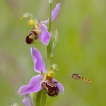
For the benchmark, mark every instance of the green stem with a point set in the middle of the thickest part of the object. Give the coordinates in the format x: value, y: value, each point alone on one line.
x: 44, y: 97
x: 40, y: 98
x: 49, y: 29
x: 50, y: 13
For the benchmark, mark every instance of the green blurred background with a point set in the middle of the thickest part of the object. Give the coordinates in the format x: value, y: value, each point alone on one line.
x: 81, y: 48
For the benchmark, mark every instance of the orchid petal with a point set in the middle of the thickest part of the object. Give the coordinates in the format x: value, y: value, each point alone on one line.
x: 27, y: 101
x: 55, y: 13
x: 60, y: 86
x: 45, y: 35
x: 37, y: 59
x: 33, y: 86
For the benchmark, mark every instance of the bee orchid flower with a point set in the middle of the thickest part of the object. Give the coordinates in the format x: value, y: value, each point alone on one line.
x: 39, y: 27
x: 44, y: 80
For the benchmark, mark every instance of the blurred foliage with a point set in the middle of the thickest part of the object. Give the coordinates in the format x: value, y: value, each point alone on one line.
x: 81, y: 49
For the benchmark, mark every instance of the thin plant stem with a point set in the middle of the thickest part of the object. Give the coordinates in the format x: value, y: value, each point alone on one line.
x: 49, y: 29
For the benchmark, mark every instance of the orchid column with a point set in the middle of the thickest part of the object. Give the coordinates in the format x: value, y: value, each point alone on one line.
x: 44, y: 83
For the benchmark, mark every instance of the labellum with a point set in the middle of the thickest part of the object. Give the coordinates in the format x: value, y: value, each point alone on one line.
x: 50, y: 87
x: 33, y: 35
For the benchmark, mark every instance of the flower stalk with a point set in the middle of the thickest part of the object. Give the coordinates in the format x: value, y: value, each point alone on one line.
x: 49, y: 29
x: 50, y: 13
x: 40, y: 99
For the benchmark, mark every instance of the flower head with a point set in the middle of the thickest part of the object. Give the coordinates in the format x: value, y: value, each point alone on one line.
x: 44, y: 80
x: 39, y: 27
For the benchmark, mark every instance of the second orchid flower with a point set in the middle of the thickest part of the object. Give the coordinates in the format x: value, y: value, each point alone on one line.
x: 39, y: 27
x: 44, y: 80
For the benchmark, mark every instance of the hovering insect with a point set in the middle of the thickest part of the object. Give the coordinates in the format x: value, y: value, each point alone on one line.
x: 78, y: 77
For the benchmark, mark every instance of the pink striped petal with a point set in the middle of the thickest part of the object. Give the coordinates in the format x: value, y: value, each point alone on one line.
x: 33, y: 86
x: 45, y: 35
x: 55, y: 13
x: 38, y: 62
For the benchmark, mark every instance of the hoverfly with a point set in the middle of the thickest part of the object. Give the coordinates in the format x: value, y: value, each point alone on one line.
x: 79, y: 77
